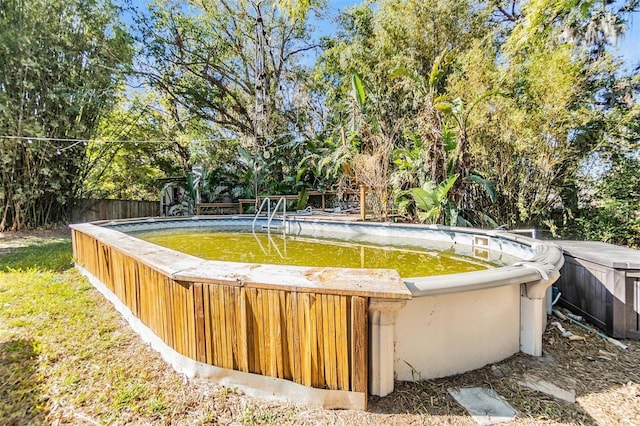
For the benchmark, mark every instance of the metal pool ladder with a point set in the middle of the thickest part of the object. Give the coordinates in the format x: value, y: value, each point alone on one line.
x: 282, y: 201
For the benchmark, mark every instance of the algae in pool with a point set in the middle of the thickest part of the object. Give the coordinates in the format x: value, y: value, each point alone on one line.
x: 277, y: 249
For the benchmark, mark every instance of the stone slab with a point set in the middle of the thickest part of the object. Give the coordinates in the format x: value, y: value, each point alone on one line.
x: 537, y: 384
x: 485, y: 405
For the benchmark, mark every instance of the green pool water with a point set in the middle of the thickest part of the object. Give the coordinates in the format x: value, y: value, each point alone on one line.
x: 276, y: 249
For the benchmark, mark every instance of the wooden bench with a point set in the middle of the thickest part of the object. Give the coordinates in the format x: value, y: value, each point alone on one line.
x: 244, y: 202
x: 217, y: 206
x: 323, y: 196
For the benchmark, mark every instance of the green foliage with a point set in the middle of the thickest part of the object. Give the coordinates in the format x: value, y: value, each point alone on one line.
x: 61, y: 64
x: 541, y: 82
x: 138, y: 143
x: 407, y: 50
x: 235, y: 67
x: 303, y: 199
x: 358, y: 92
x: 613, y: 214
x: 431, y: 198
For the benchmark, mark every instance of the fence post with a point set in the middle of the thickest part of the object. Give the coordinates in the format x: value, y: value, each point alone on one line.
x: 363, y: 203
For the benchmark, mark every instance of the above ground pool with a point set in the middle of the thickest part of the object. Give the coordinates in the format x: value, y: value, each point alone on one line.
x: 321, y: 312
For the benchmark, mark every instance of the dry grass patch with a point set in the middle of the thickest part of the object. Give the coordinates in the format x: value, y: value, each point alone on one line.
x: 67, y: 357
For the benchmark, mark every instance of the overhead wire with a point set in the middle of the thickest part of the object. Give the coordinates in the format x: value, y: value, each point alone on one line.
x: 77, y: 141
x: 49, y: 139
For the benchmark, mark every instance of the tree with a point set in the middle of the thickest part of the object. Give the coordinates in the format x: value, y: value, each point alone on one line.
x: 61, y: 64
x: 235, y: 65
x: 609, y: 208
x: 404, y: 51
x: 548, y: 65
x: 524, y: 97
x: 138, y: 142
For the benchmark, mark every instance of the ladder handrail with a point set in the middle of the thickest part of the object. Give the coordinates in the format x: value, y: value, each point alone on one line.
x: 282, y: 201
x: 265, y: 200
x: 270, y: 217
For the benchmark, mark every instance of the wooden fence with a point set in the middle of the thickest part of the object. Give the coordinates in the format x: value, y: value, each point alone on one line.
x: 89, y: 210
x: 316, y: 337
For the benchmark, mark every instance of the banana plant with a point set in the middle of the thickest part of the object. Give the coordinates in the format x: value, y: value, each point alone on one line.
x: 430, y: 198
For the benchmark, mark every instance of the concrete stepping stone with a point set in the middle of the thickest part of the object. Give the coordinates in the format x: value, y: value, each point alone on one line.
x: 485, y: 405
x: 537, y: 384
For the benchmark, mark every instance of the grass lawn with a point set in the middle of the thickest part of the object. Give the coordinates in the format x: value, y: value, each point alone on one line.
x: 67, y: 357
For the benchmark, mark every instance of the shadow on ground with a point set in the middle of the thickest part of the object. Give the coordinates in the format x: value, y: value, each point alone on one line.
x: 53, y: 254
x: 19, y: 393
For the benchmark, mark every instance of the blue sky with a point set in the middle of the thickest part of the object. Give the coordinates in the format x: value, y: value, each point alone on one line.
x: 628, y: 47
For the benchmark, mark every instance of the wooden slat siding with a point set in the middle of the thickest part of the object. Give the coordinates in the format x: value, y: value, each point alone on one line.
x: 320, y: 380
x: 313, y: 338
x: 191, y: 319
x: 252, y: 361
x: 275, y: 334
x: 226, y: 360
x: 158, y: 297
x: 284, y: 335
x: 229, y: 317
x: 117, y: 266
x: 172, y: 312
x: 252, y: 330
x: 270, y: 341
x: 237, y: 324
x: 74, y: 245
x: 184, y: 330
x: 308, y: 344
x: 325, y: 335
x: 151, y: 298
x: 291, y: 335
x: 296, y: 349
x: 129, y: 281
x: 136, y: 288
x: 208, y: 324
x: 242, y: 323
x: 333, y: 327
x: 301, y: 348
x: 262, y: 342
x: 215, y: 325
x: 103, y: 266
x: 330, y: 344
x: 198, y: 306
x: 107, y: 270
x: 342, y: 343
x: 317, y: 340
x: 277, y: 327
x: 216, y: 315
x: 617, y: 300
x: 229, y: 326
x: 266, y: 353
x: 359, y: 344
